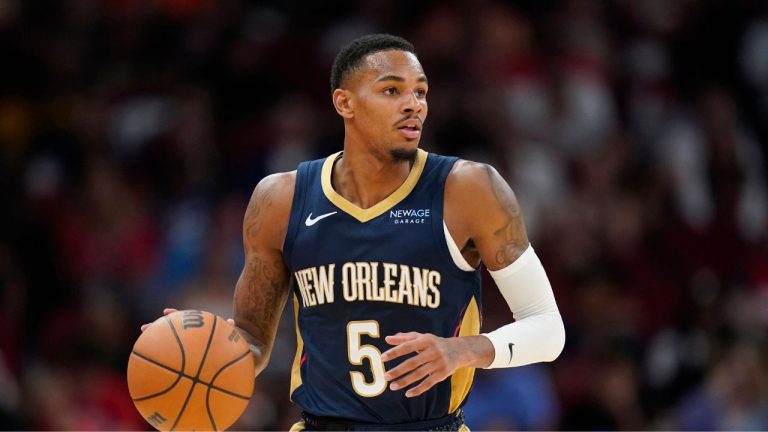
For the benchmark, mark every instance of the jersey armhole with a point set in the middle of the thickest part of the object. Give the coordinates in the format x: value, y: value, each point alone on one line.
x: 297, y: 209
x: 458, y: 258
x: 442, y: 237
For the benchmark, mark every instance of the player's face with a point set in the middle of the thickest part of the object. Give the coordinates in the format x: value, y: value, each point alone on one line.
x: 390, y: 102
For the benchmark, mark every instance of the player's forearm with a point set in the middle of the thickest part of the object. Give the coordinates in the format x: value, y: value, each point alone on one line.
x: 257, y: 313
x: 260, y: 296
x: 538, y: 333
x: 534, y: 339
x: 259, y: 350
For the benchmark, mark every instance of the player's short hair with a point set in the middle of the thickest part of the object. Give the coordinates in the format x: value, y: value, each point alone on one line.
x: 351, y: 56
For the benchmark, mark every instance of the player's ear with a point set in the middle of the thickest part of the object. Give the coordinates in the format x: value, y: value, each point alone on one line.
x: 342, y: 101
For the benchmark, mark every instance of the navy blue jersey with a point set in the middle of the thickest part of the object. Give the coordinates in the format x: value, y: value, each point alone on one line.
x: 362, y: 274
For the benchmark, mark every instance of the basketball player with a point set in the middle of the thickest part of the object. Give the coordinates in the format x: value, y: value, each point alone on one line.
x: 378, y: 248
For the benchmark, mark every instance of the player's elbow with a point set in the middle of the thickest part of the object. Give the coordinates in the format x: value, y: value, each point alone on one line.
x: 556, y: 339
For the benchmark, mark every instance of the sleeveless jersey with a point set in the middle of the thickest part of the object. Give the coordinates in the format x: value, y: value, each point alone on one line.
x: 359, y: 275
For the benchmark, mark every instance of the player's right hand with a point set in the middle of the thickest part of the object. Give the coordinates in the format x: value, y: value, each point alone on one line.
x: 166, y: 311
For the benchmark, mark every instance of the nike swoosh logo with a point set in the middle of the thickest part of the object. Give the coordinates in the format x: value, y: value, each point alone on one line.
x: 310, y: 221
x: 510, y: 352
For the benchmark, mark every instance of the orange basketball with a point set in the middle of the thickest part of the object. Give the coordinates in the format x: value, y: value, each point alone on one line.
x: 191, y: 370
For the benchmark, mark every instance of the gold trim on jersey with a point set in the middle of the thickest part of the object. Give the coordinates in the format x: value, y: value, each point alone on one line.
x: 299, y: 427
x: 461, y: 380
x: 296, y: 369
x: 364, y: 215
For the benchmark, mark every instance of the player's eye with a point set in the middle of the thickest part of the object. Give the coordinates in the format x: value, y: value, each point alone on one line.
x: 390, y: 91
x: 421, y: 92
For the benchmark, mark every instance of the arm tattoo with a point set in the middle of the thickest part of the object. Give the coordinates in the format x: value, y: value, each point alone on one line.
x: 265, y: 286
x: 514, y: 240
x: 254, y: 215
x: 261, y: 291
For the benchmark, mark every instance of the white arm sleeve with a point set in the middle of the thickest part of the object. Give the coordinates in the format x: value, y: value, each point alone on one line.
x: 538, y: 333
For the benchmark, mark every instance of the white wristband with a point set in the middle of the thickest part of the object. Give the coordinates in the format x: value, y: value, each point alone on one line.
x: 538, y: 333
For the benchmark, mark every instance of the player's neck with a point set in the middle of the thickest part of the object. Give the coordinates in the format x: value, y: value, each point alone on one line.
x: 365, y: 178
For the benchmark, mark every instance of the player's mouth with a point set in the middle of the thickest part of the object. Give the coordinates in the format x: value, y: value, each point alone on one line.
x: 410, y: 129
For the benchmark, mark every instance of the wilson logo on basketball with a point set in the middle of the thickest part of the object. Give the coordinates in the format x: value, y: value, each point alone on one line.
x: 193, y: 319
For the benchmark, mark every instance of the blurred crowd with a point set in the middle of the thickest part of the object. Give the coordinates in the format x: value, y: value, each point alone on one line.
x: 634, y: 133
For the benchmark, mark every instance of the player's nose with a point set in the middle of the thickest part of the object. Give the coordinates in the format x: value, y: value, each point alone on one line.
x: 412, y: 104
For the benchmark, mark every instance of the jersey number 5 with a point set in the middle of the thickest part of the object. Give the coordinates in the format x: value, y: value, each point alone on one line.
x: 357, y: 352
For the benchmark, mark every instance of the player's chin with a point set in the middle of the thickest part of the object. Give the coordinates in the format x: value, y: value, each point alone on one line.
x: 405, y: 153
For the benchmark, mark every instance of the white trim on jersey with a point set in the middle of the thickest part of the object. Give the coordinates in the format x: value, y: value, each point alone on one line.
x: 458, y: 258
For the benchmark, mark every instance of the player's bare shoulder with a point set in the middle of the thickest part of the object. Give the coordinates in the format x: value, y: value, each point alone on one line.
x: 468, y: 177
x: 481, y: 203
x: 266, y: 218
x: 468, y: 188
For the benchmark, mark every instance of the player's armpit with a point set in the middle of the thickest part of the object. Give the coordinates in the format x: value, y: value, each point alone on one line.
x: 262, y: 289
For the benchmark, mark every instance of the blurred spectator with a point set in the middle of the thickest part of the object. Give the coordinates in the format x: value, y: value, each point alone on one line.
x: 529, y: 404
x: 733, y: 395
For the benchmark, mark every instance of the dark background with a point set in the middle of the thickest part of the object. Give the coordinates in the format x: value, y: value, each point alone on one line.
x: 633, y: 132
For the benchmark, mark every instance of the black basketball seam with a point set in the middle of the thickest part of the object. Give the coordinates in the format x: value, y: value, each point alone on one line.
x: 197, y: 377
x: 207, y: 404
x: 155, y: 362
x: 162, y: 392
x: 183, y: 363
x: 183, y: 360
x: 183, y: 375
x: 213, y: 380
x: 229, y: 392
x: 181, y: 345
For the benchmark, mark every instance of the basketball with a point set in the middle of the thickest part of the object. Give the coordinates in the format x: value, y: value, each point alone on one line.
x: 191, y: 370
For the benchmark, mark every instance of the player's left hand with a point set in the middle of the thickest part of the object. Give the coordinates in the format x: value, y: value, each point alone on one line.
x: 436, y: 359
